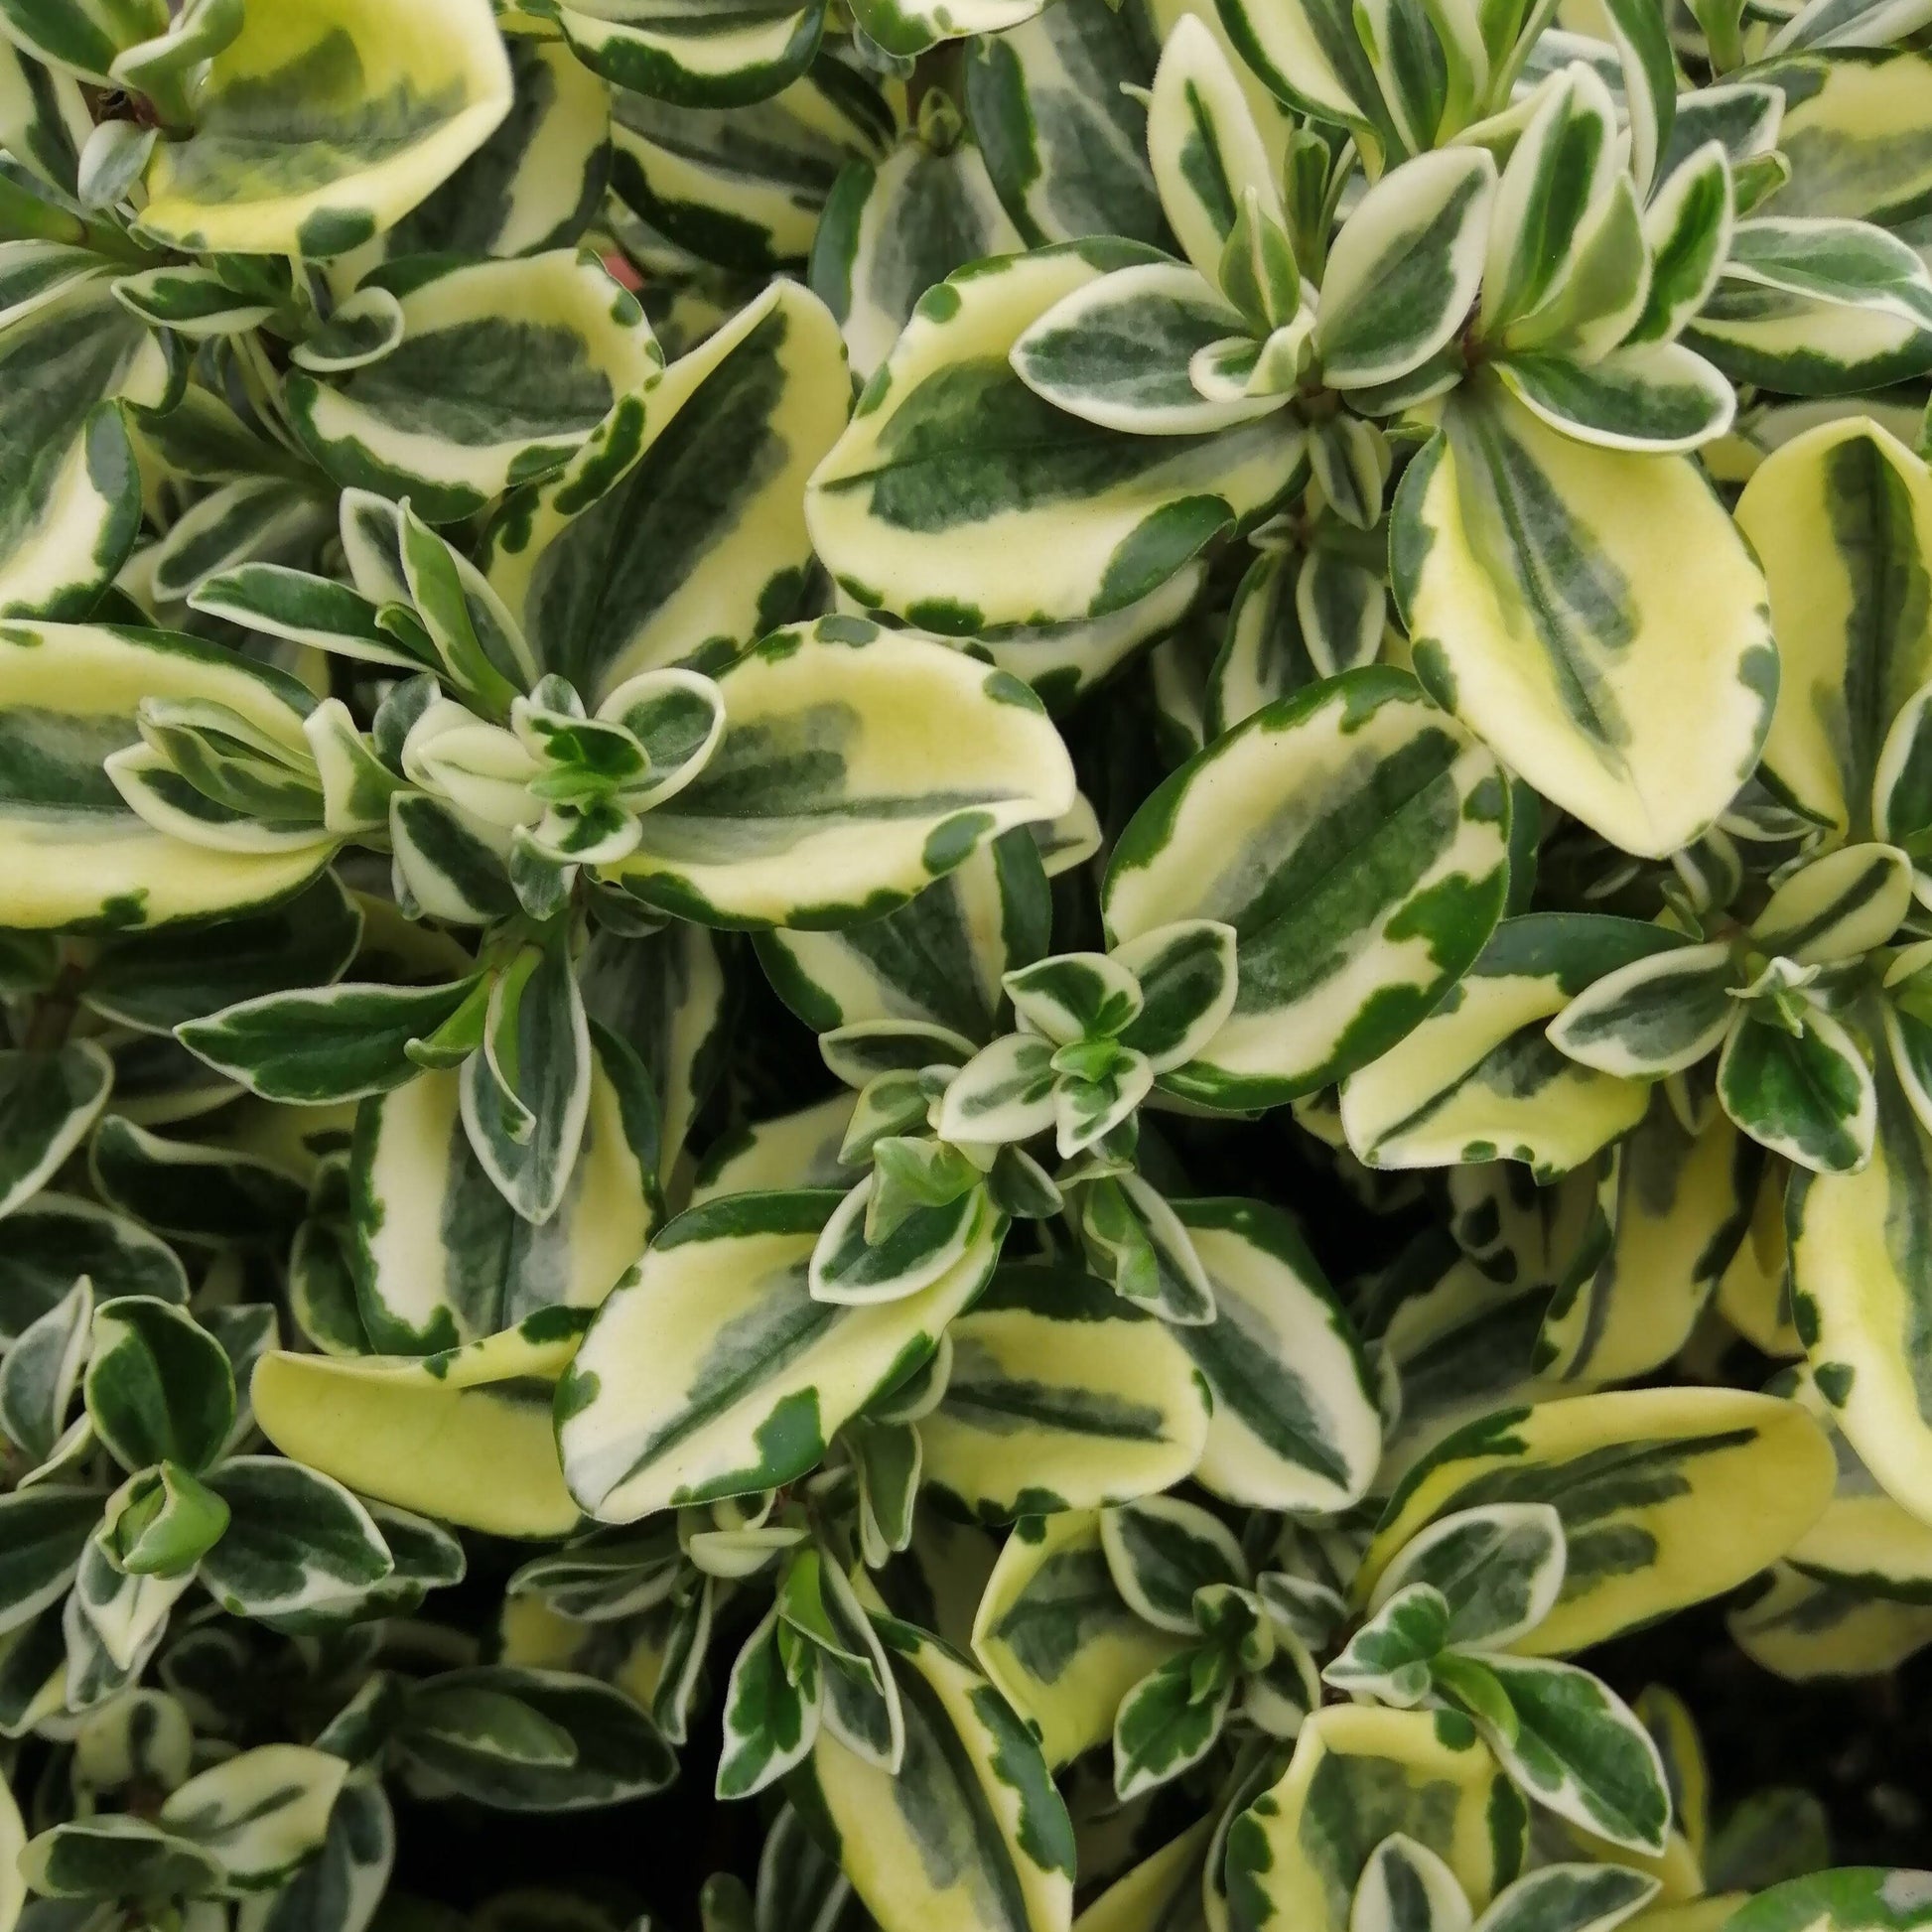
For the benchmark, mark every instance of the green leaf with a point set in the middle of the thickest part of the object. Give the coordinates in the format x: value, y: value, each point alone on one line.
x: 1003, y: 1094
x: 159, y: 1386
x: 908, y: 26
x: 1136, y: 1243
x: 297, y: 1543
x: 69, y: 366
x: 1869, y: 1898
x: 1357, y: 843
x: 1688, y: 228
x: 858, y: 1262
x: 570, y: 1744
x: 1188, y: 976
x: 46, y: 117
x: 312, y: 1045
x: 164, y: 1523
x: 1853, y: 263
x: 113, y: 1619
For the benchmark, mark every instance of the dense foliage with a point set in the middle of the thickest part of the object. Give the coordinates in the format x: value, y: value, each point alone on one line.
x: 1006, y: 920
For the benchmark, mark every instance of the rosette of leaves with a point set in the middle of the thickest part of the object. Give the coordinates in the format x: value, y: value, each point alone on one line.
x: 1442, y: 1620
x: 149, y: 1489
x: 525, y: 793
x: 1096, y: 1032
x: 828, y: 1691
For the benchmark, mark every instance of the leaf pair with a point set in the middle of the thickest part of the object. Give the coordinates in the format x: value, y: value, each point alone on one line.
x: 815, y: 1661
x: 1445, y: 1614
x: 1789, y: 1073
x: 1098, y: 1031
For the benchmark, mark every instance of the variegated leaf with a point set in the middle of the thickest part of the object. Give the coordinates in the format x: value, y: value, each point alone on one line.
x: 1297, y: 1854
x: 678, y: 533
x: 441, y: 1256
x: 712, y: 1370
x: 1065, y: 141
x: 1060, y: 1643
x: 503, y: 371
x: 1295, y: 1425
x: 1651, y: 1486
x: 1478, y: 1080
x: 891, y: 230
x: 744, y: 186
x: 953, y: 470
x: 1354, y: 811
x: 75, y: 854
x: 1839, y: 514
x: 374, y: 118
x: 1061, y: 1395
x: 969, y: 1835
x: 688, y: 55
x: 465, y: 1436
x: 902, y: 757
x: 1555, y: 631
